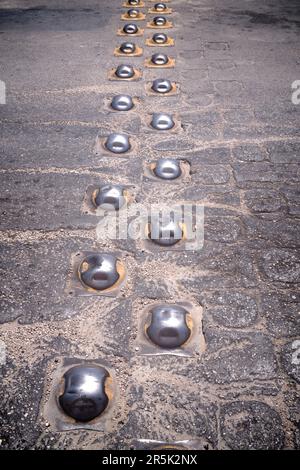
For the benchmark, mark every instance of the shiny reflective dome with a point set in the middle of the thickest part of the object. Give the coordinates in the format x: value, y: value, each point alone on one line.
x: 168, y: 327
x: 84, y: 397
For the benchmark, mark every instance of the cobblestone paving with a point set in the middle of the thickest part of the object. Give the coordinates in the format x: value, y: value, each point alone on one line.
x: 239, y: 130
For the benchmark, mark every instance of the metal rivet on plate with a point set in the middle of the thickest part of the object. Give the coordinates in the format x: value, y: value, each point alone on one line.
x: 160, y: 38
x: 110, y: 197
x: 122, y: 103
x: 162, y: 121
x: 159, y: 59
x: 84, y: 397
x: 133, y: 13
x: 168, y: 327
x: 118, y: 143
x: 127, y: 47
x: 161, y: 85
x: 124, y: 71
x: 165, y: 233
x: 159, y: 21
x: 167, y: 168
x: 130, y: 28
x: 99, y: 271
x: 133, y: 2
x: 160, y: 7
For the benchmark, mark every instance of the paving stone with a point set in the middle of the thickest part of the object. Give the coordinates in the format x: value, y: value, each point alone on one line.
x: 212, y: 195
x: 210, y: 174
x: 293, y: 199
x: 210, y: 156
x: 259, y: 200
x: 201, y: 100
x: 175, y: 144
x: 151, y: 392
x: 281, y: 265
x: 259, y: 131
x: 290, y: 359
x: 227, y: 89
x: 61, y: 145
x: 249, y: 153
x: 114, y: 326
x: 33, y: 201
x: 237, y: 357
x: 205, y: 133
x: 251, y: 425
x: 223, y: 69
x: 219, y: 267
x: 240, y: 115
x: 198, y: 120
x: 56, y: 106
x: 232, y: 309
x: 284, y: 152
x: 221, y: 229
x: 285, y: 113
x: 216, y: 46
x: 20, y: 408
x: 281, y: 312
x: 196, y: 76
x: 34, y: 290
x: 152, y: 289
x: 246, y: 173
x: 280, y: 231
x: 292, y: 400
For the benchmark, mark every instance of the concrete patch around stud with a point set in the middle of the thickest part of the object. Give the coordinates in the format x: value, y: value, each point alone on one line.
x: 139, y: 32
x: 150, y: 42
x: 75, y: 285
x: 149, y: 174
x: 168, y: 24
x: 136, y: 53
x: 192, y: 341
x: 89, y: 205
x: 140, y: 17
x: 136, y: 76
x: 52, y: 409
x: 174, y: 90
x: 169, y: 65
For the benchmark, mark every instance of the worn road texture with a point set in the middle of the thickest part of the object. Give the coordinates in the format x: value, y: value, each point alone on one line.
x: 239, y: 130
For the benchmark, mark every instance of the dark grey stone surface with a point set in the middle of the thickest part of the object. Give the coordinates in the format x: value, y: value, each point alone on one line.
x: 251, y: 425
x: 233, y: 357
x: 281, y: 312
x: 239, y: 130
x: 232, y: 309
